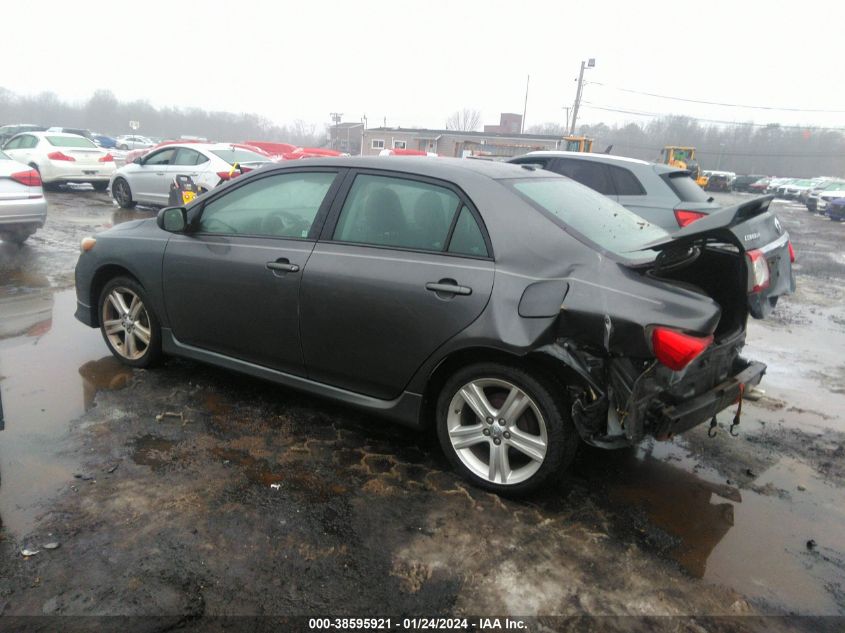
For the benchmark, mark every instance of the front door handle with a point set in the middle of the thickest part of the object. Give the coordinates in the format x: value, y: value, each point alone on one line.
x: 448, y: 286
x: 283, y: 265
x: 159, y: 173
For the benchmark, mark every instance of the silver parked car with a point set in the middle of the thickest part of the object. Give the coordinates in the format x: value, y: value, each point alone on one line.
x: 663, y: 195
x: 131, y: 141
x: 23, y: 208
x: 147, y: 179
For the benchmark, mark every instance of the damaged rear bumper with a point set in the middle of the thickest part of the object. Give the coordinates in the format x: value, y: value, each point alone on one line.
x: 635, y: 399
x: 673, y: 419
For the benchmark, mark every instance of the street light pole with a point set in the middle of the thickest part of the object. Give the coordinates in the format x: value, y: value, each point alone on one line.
x: 590, y: 63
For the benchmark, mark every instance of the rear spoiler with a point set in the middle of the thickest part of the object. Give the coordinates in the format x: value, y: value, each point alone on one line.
x: 715, y: 223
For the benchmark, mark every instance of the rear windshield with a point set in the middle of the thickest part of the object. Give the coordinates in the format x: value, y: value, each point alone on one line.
x: 685, y: 187
x: 594, y: 216
x: 70, y: 141
x: 236, y: 155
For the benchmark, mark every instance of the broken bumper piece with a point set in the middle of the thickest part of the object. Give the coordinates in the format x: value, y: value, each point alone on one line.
x: 677, y: 418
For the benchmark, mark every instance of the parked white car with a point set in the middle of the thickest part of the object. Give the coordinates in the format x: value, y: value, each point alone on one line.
x: 23, y: 208
x: 62, y: 158
x: 130, y: 141
x: 147, y: 179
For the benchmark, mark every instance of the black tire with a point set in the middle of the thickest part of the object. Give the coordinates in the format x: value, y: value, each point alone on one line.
x: 123, y: 147
x: 146, y: 319
x: 15, y: 237
x: 100, y: 186
x: 122, y: 194
x: 561, y: 437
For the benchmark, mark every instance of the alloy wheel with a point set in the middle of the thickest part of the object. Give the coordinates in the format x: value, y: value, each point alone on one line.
x: 121, y: 193
x: 126, y: 323
x: 497, y: 431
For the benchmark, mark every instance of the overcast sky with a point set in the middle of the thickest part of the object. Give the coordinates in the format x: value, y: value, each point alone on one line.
x: 415, y: 62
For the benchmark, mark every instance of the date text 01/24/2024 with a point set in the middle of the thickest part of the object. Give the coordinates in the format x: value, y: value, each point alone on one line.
x: 416, y: 624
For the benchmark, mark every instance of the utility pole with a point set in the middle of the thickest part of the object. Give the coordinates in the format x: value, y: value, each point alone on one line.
x: 567, y: 109
x: 336, y: 116
x: 591, y: 63
x: 363, y: 132
x: 525, y: 107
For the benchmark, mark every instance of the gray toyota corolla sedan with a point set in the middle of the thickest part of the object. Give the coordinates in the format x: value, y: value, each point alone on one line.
x: 514, y: 311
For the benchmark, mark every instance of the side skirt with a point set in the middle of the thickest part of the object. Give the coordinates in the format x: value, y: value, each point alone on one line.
x: 404, y: 410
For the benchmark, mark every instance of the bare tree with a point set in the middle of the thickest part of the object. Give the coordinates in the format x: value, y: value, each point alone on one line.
x: 550, y: 128
x: 465, y: 120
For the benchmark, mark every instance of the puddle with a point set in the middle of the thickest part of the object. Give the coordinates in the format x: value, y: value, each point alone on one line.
x: 41, y: 389
x: 753, y: 539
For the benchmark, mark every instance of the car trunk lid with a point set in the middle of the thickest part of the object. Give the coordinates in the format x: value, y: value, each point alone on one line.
x: 758, y: 234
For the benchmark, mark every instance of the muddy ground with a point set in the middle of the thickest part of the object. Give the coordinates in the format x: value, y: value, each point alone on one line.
x: 257, y: 500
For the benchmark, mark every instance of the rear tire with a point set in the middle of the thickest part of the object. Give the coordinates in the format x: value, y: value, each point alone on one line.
x: 122, y: 194
x: 530, y: 441
x: 128, y: 324
x: 15, y: 237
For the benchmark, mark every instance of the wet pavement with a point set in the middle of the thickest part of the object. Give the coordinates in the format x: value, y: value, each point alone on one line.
x: 320, y: 509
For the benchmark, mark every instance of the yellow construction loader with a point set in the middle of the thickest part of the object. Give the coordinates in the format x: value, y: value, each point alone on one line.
x: 578, y: 144
x: 683, y: 158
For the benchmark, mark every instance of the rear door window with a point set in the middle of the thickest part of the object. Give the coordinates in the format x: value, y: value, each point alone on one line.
x: 385, y: 211
x: 625, y: 182
x: 589, y: 173
x: 684, y: 186
x: 467, y: 238
x: 186, y: 156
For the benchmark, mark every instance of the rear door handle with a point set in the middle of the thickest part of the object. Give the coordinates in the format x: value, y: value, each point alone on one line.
x: 448, y: 286
x: 159, y: 173
x: 283, y: 265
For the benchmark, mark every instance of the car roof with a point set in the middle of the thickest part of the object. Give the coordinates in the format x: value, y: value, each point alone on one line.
x: 610, y: 158
x: 435, y: 167
x: 45, y: 134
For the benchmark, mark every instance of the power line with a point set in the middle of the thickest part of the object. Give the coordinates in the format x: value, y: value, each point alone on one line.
x: 595, y: 106
x: 718, y: 103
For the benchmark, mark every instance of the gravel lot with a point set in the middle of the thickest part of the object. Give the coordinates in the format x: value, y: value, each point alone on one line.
x: 257, y: 500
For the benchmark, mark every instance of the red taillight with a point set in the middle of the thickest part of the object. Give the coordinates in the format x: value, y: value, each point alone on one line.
x: 687, y: 217
x: 758, y: 271
x: 677, y: 350
x: 791, y: 253
x: 29, y: 178
x: 108, y: 158
x: 60, y: 156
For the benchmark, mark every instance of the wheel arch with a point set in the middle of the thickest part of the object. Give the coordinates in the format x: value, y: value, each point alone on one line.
x: 556, y: 374
x: 103, y: 275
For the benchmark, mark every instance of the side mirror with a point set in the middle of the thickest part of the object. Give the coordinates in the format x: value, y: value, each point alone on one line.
x: 139, y: 160
x: 173, y: 219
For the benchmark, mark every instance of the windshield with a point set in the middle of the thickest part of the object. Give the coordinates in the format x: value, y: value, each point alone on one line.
x: 4, y: 156
x: 594, y: 216
x: 70, y: 141
x: 235, y: 155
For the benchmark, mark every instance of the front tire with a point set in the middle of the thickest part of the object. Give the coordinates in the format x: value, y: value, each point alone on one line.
x: 504, y: 429
x: 128, y: 324
x: 122, y: 194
